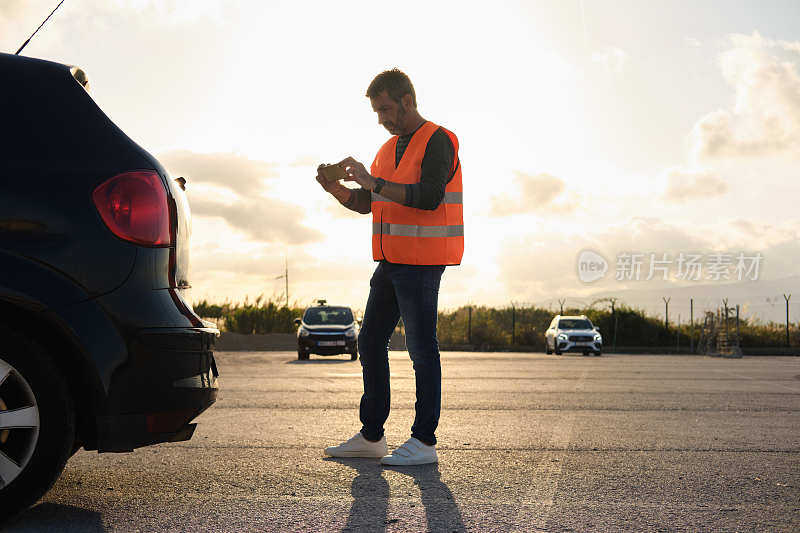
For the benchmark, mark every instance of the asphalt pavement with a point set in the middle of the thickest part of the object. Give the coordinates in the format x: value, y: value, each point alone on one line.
x: 527, y: 442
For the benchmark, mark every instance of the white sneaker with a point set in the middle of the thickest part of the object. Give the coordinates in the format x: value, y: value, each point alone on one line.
x: 411, y: 452
x: 358, y: 446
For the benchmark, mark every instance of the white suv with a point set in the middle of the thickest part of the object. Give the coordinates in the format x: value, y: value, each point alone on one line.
x: 573, y: 334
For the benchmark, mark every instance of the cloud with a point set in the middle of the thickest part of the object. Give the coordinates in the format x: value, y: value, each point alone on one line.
x: 756, y: 233
x: 533, y: 194
x: 262, y: 219
x: 745, y: 226
x: 11, y: 8
x: 268, y: 261
x: 612, y: 58
x: 683, y: 185
x: 765, y: 119
x: 244, y: 176
x: 265, y: 260
x: 307, y: 160
x: 780, y: 259
x: 337, y: 210
x: 18, y: 19
x: 233, y: 275
x: 245, y: 207
x: 544, y: 265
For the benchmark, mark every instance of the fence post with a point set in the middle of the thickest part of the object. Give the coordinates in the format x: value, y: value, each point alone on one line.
x: 469, y: 325
x: 513, y: 325
x: 727, y: 334
x: 738, y: 341
x: 787, y: 319
x: 691, y: 327
x: 614, y: 312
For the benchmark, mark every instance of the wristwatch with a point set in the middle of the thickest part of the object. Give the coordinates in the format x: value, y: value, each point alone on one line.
x: 379, y: 183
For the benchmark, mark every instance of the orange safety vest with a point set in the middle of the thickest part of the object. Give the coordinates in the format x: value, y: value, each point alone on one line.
x: 411, y: 236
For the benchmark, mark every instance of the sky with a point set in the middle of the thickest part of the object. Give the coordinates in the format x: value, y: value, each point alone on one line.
x: 637, y: 132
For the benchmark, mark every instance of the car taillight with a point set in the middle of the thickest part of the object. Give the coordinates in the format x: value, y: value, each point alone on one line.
x: 135, y: 208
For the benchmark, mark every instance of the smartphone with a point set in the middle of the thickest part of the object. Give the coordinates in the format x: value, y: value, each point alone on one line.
x: 332, y: 172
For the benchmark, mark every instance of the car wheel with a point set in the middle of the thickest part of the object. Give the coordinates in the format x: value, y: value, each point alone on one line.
x: 547, y: 349
x: 585, y: 353
x: 302, y: 356
x: 354, y: 356
x: 37, y: 423
x: 556, y: 350
x: 598, y: 353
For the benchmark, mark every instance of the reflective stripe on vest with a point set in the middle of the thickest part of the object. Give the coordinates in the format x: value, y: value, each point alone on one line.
x: 408, y: 230
x: 450, y: 197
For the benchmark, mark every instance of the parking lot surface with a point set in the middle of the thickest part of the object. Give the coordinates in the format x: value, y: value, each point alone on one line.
x: 527, y: 442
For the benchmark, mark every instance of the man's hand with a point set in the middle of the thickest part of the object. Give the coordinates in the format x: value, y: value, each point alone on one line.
x: 356, y: 172
x: 335, y: 188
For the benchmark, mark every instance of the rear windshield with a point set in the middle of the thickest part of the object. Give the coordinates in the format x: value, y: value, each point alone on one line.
x: 574, y: 323
x: 323, y: 316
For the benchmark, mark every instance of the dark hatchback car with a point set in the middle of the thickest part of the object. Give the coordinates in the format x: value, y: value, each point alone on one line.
x: 327, y: 330
x: 99, y: 345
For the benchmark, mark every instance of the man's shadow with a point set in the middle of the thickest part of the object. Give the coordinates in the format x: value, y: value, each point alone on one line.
x: 441, y: 509
x: 370, y: 491
x: 56, y: 518
x: 320, y: 362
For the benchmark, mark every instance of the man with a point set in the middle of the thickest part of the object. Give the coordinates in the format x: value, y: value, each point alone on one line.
x: 414, y: 191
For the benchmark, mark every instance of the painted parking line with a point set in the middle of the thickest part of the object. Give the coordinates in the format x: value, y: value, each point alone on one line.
x: 541, y: 495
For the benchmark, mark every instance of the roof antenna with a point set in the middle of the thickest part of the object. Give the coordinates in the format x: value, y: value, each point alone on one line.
x: 39, y: 28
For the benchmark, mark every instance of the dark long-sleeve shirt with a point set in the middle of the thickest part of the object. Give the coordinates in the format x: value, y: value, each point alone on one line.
x: 436, y: 173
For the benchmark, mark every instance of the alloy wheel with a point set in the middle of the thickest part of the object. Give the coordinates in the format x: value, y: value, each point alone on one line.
x: 19, y: 423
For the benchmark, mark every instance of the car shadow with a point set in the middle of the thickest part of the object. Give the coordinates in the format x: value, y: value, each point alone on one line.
x: 56, y: 518
x: 370, y: 491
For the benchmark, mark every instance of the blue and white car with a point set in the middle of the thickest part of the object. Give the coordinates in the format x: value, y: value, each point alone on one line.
x: 573, y: 334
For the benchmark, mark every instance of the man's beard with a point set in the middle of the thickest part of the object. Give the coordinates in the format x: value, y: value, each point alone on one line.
x: 395, y: 127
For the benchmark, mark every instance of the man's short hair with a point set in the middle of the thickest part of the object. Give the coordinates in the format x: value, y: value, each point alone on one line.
x: 395, y: 83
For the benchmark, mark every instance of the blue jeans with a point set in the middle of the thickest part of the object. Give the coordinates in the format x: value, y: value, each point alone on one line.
x: 411, y: 292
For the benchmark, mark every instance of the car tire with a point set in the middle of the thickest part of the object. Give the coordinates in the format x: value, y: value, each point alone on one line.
x: 302, y: 355
x: 556, y: 351
x: 598, y: 353
x: 354, y: 356
x: 31, y: 457
x: 547, y: 349
x: 585, y: 353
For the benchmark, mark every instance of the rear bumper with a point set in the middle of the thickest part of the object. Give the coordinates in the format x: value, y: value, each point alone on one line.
x: 169, y: 379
